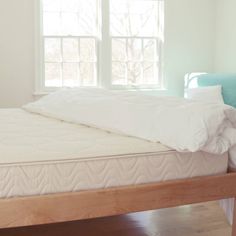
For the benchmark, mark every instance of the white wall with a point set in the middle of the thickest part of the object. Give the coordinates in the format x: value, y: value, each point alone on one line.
x: 188, y: 46
x: 225, y: 57
x: 16, y: 52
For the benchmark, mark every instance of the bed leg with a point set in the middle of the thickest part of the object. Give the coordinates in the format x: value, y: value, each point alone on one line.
x: 234, y: 219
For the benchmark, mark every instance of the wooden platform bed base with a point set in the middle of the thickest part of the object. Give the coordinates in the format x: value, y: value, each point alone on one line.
x: 53, y: 208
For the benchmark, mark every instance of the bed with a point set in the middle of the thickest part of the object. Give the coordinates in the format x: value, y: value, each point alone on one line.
x: 53, y: 171
x: 218, y: 88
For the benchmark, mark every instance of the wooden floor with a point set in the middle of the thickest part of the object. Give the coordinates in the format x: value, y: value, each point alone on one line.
x: 197, y: 220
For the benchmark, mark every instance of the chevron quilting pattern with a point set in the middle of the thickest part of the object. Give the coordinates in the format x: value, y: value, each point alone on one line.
x: 42, y: 156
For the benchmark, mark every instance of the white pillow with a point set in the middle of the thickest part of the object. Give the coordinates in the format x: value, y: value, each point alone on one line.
x: 207, y: 94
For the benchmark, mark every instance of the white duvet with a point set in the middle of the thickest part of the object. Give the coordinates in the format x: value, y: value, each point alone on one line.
x: 175, y: 122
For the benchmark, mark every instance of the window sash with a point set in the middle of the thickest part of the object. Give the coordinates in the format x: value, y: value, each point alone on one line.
x: 156, y: 61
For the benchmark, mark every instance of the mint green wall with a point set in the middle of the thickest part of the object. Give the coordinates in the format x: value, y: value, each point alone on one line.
x: 188, y: 40
x: 225, y: 53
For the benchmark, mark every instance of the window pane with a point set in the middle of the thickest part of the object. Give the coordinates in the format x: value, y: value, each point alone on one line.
x: 52, y: 5
x: 69, y: 24
x: 70, y: 50
x: 70, y: 17
x: 52, y: 50
x: 119, y: 49
x: 52, y: 23
x: 53, y: 75
x: 70, y: 74
x: 134, y: 73
x: 70, y: 5
x: 87, y: 74
x: 149, y: 50
x: 88, y: 13
x: 119, y: 73
x: 134, y: 49
x: 150, y: 73
x: 87, y: 50
x: 134, y: 18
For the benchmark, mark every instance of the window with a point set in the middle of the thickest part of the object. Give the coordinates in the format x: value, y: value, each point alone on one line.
x: 70, y: 35
x: 109, y: 43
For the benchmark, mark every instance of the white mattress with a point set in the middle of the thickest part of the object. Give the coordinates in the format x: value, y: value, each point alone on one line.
x: 39, y: 155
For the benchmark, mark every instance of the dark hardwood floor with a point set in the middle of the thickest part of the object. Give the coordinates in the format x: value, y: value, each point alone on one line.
x: 197, y: 220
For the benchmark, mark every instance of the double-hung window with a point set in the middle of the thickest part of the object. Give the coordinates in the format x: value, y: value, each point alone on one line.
x: 108, y: 43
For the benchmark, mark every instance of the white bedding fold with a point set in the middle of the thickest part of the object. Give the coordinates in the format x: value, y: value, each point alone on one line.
x: 175, y: 122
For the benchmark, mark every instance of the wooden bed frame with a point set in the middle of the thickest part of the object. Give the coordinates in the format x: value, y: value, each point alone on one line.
x: 54, y: 208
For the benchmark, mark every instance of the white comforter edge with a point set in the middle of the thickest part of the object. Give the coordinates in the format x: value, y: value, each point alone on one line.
x: 175, y: 122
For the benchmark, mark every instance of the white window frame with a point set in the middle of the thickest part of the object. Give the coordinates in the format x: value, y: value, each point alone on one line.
x: 104, y: 60
x: 39, y: 81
